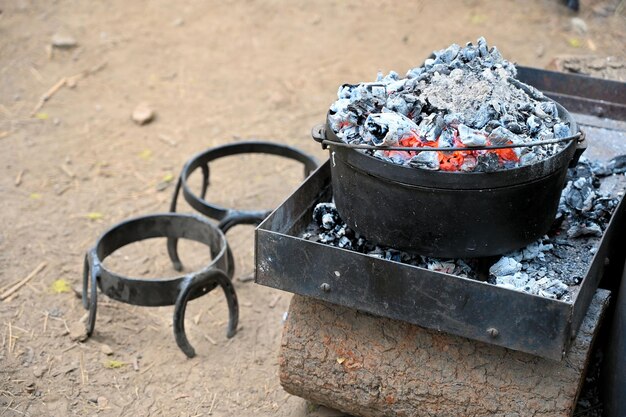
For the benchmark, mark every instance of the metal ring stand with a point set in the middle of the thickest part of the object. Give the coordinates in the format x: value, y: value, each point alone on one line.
x: 226, y: 217
x: 175, y: 291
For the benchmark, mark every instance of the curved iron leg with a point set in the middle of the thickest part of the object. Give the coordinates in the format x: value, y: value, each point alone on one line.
x: 205, y: 180
x: 188, y: 287
x: 231, y: 262
x: 93, y: 299
x: 86, y: 271
x: 90, y: 279
x: 172, y: 243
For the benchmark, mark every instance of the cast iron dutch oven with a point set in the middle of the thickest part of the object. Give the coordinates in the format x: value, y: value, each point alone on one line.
x: 448, y: 214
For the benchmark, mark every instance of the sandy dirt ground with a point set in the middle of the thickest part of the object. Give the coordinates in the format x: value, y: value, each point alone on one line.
x: 214, y: 72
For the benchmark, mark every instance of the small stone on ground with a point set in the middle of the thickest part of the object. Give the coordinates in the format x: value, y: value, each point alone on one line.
x: 143, y: 114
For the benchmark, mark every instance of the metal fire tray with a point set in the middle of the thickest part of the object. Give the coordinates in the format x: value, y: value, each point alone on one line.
x: 436, y: 300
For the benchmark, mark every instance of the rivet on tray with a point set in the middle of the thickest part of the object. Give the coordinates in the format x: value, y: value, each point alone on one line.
x: 493, y: 332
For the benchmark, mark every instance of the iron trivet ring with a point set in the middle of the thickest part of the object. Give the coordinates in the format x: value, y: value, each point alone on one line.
x: 175, y: 291
x: 227, y: 217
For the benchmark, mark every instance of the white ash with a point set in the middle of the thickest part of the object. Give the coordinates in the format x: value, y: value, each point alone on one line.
x: 472, y: 91
x: 551, y: 267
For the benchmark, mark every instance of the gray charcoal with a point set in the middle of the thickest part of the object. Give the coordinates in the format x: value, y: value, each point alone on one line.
x: 561, y: 130
x: 505, y: 266
x: 528, y: 159
x: 502, y: 136
x: 488, y: 162
x: 617, y: 165
x: 514, y: 127
x: 550, y: 109
x: 430, y: 128
x: 482, y: 116
x: 469, y: 163
x: 414, y: 72
x: 515, y: 281
x: 473, y: 86
x: 528, y: 89
x: 525, y: 107
x: 469, y: 53
x: 446, y: 138
x: 579, y: 195
x: 534, y: 124
x: 398, y: 105
x: 449, y: 54
x: 588, y: 229
x: 441, y: 69
x: 425, y: 160
x: 345, y: 243
x: 452, y: 119
x: 493, y: 124
x: 471, y: 137
x: 326, y: 215
x: 388, y: 129
x: 495, y: 54
x: 482, y: 47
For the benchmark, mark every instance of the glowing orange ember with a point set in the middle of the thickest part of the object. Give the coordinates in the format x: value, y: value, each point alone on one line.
x: 451, y: 161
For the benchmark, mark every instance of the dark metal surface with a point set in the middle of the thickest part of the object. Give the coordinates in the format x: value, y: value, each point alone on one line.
x: 579, y: 93
x: 449, y: 214
x: 175, y: 291
x: 227, y: 217
x: 614, y: 372
x: 430, y: 299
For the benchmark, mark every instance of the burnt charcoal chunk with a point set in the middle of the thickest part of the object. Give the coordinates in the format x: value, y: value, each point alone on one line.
x: 425, y: 160
x: 482, y: 47
x: 585, y: 229
x: 550, y: 109
x: 502, y: 136
x: 441, y: 69
x: 449, y: 54
x: 471, y: 137
x: 452, y: 119
x: 431, y: 127
x: 514, y: 127
x: 482, y: 117
x: 377, y: 130
x: 488, y: 162
x: 446, y: 139
x: 579, y: 194
x: 561, y: 130
x: 617, y: 165
x: 493, y: 124
x: 469, y: 53
x: 397, y: 104
x: 326, y: 215
x: 534, y: 124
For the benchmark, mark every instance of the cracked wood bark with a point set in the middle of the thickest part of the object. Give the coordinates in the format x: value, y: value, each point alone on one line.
x: 372, y: 366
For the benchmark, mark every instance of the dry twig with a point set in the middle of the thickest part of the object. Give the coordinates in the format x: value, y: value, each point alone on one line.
x: 23, y: 282
x: 18, y: 179
x: 69, y: 81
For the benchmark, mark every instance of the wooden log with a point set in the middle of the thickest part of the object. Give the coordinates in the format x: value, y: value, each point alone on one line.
x: 372, y: 367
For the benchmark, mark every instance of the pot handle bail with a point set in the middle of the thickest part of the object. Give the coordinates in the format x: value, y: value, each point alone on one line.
x: 318, y: 133
x: 581, y: 146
